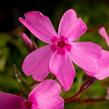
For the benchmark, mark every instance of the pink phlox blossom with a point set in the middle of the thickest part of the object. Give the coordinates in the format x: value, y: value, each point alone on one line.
x: 62, y: 48
x: 44, y: 96
x: 103, y: 64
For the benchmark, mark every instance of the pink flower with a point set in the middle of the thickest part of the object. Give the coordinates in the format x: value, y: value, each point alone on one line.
x: 43, y: 96
x: 62, y: 48
x: 103, y: 64
x: 9, y: 101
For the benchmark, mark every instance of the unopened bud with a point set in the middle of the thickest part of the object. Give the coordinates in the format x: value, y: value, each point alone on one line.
x: 28, y: 42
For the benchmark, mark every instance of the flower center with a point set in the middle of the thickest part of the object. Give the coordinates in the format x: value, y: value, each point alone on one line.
x: 61, y: 44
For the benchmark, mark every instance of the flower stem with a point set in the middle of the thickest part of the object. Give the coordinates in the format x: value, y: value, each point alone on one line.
x: 89, y: 100
x: 83, y: 88
x: 23, y: 84
x: 92, y: 100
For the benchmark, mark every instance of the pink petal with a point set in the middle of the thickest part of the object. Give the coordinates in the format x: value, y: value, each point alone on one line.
x: 46, y: 94
x: 63, y: 69
x: 71, y: 26
x: 9, y: 101
x: 39, y: 25
x: 37, y: 63
x: 79, y: 29
x: 86, y: 55
x: 103, y: 71
x: 103, y: 33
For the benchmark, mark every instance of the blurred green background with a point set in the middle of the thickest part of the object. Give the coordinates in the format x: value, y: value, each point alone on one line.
x: 12, y: 49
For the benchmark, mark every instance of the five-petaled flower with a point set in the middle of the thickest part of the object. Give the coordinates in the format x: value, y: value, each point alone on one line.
x: 44, y: 96
x: 62, y: 48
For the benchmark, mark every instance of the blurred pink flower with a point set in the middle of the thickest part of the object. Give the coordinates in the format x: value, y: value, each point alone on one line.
x: 43, y: 96
x: 103, y: 64
x: 57, y: 57
x: 10, y: 101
